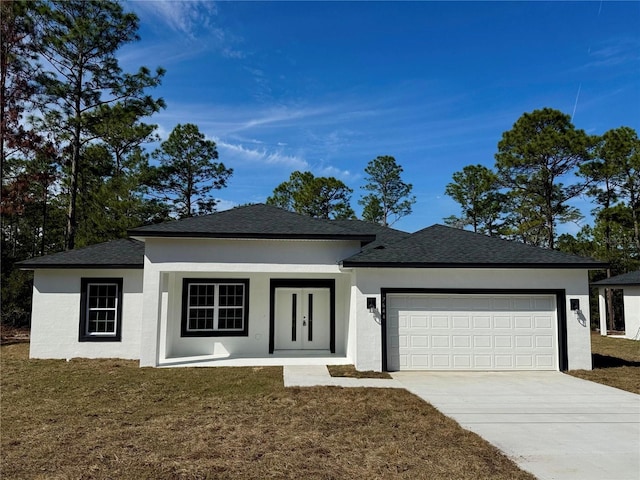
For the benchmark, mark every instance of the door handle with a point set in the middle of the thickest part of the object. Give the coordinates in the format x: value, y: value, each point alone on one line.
x: 304, y: 323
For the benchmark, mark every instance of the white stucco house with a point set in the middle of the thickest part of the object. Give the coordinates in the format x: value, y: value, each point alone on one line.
x: 260, y: 285
x: 629, y: 283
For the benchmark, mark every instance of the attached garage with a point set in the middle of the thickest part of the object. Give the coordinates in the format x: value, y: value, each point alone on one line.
x: 473, y: 331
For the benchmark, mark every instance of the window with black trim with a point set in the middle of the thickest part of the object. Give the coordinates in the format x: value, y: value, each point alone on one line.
x: 100, y: 310
x: 215, y: 307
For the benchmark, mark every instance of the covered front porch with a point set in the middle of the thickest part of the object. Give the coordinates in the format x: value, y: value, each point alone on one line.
x: 257, y: 318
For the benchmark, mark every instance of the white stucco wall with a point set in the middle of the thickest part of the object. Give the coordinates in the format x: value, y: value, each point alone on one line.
x: 367, y: 353
x: 55, y: 319
x: 632, y: 312
x: 247, y: 254
x: 169, y: 261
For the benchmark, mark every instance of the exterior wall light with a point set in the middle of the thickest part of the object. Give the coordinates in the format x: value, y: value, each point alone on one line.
x: 371, y: 304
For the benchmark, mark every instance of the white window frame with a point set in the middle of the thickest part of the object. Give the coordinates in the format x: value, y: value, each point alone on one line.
x: 216, y: 307
x: 85, y: 334
x: 113, y: 309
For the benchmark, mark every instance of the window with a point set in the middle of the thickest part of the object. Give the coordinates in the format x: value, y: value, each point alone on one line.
x: 212, y: 307
x: 101, y: 310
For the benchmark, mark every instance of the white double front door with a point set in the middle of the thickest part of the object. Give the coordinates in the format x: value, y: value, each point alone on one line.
x: 302, y: 318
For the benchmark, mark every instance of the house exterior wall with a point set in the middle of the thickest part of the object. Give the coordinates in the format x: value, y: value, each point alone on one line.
x: 247, y: 255
x: 55, y: 319
x: 169, y: 261
x: 632, y: 312
x: 367, y: 353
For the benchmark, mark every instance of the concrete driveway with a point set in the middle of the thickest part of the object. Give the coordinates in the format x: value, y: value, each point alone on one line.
x: 551, y: 424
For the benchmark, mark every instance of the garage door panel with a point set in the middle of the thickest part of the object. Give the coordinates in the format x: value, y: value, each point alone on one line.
x: 461, y: 341
x: 524, y: 361
x: 482, y: 341
x: 467, y: 332
x: 483, y: 361
x: 481, y: 321
x: 439, y: 321
x: 544, y: 341
x: 523, y: 341
x: 461, y: 321
x: 440, y: 341
x: 545, y: 361
x: 543, y: 322
x: 420, y: 341
x: 502, y: 321
x: 462, y: 362
x: 418, y: 321
x: 440, y: 361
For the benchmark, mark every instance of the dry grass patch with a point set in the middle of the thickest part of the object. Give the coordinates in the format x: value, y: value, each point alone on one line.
x: 110, y: 419
x: 351, y: 372
x: 616, y: 362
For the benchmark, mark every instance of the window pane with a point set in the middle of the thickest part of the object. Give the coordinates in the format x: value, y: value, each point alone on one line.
x: 202, y: 295
x: 200, y: 319
x: 231, y: 295
x: 230, y: 319
x: 101, y: 321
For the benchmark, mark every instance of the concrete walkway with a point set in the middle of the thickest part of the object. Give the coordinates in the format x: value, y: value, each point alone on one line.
x: 551, y: 424
x: 318, y: 375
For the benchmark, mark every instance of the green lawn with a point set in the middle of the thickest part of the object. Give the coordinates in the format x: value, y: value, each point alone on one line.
x: 616, y: 362
x: 110, y: 419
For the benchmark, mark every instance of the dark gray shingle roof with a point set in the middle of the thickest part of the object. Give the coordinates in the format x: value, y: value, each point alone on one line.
x: 450, y: 247
x: 384, y: 235
x: 252, y: 221
x: 123, y: 253
x: 436, y: 246
x: 631, y: 278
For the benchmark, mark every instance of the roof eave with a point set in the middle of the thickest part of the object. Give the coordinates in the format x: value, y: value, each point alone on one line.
x: 251, y: 236
x: 68, y: 266
x: 563, y: 266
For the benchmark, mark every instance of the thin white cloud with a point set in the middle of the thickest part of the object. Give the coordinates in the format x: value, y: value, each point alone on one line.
x: 263, y: 156
x: 614, y: 53
x: 185, y: 17
x: 281, y: 116
x: 193, y: 21
x: 331, y: 171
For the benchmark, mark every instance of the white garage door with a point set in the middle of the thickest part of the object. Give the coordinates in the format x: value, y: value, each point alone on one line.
x: 471, y: 332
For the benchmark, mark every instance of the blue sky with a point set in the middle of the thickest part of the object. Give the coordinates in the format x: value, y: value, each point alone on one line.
x: 328, y: 86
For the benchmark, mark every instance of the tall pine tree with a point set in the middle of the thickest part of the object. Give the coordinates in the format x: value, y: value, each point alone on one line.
x: 79, y: 42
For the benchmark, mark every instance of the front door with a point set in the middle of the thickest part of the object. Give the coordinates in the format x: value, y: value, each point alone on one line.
x: 302, y: 318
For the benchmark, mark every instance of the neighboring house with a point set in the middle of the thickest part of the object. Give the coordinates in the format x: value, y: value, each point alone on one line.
x: 260, y: 285
x: 629, y: 283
